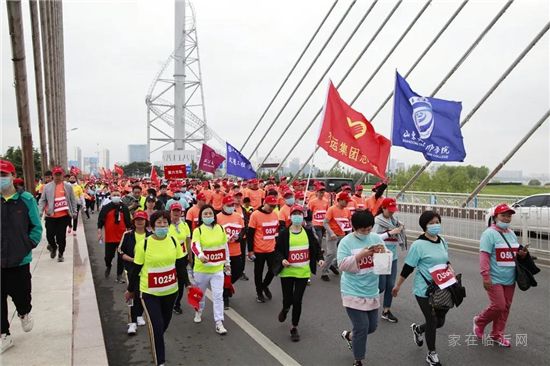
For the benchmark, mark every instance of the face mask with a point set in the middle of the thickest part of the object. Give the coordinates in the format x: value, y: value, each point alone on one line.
x: 503, y: 225
x: 5, y: 182
x: 433, y: 229
x: 208, y: 220
x: 361, y: 236
x: 289, y: 201
x: 229, y: 210
x: 297, y: 219
x: 184, y: 189
x: 161, y: 232
x: 300, y: 202
x: 115, y: 199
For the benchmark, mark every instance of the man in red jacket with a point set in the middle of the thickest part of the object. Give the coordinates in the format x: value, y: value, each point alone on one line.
x: 115, y: 218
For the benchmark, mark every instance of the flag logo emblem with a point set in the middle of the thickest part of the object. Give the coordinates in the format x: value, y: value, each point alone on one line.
x: 358, y: 128
x: 423, y: 116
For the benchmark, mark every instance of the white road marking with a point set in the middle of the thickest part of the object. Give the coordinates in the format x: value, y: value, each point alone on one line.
x: 266, y: 343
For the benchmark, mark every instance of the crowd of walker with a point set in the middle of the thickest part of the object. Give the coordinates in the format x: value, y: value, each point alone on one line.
x: 170, y: 235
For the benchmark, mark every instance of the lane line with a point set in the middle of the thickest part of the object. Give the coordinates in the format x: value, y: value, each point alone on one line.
x: 260, y: 338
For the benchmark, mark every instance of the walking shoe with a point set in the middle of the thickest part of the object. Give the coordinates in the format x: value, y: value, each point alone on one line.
x: 346, y: 337
x: 477, y: 330
x: 226, y: 303
x: 325, y: 278
x: 387, y: 315
x: 60, y: 258
x: 107, y: 271
x: 309, y: 281
x: 357, y: 363
x: 220, y: 329
x: 334, y: 270
x: 26, y: 322
x: 177, y: 310
x: 268, y: 293
x: 198, y: 317
x: 120, y: 279
x: 7, y: 342
x: 132, y: 329
x: 433, y: 359
x: 260, y: 298
x: 244, y: 277
x: 53, y: 252
x: 501, y: 341
x: 294, y: 335
x: 282, y: 315
x: 417, y: 336
x: 140, y: 321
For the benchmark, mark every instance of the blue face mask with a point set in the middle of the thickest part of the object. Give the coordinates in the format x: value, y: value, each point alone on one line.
x: 5, y: 182
x: 433, y: 229
x: 161, y: 232
x: 208, y: 220
x: 229, y: 210
x: 503, y: 225
x: 115, y: 199
x: 289, y: 201
x: 296, y: 219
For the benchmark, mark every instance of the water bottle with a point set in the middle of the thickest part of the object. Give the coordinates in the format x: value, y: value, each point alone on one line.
x: 100, y: 241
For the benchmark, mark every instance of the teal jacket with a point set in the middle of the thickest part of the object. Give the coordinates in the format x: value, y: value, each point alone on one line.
x: 21, y: 229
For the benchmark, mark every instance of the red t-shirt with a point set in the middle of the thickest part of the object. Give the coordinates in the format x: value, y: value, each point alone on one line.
x: 114, y: 231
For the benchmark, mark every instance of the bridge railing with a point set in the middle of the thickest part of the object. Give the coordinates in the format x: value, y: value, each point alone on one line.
x: 453, y: 199
x: 465, y: 225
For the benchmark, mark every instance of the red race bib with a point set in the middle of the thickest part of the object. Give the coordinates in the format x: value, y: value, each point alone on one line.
x: 216, y: 255
x: 297, y: 256
x: 269, y: 230
x: 319, y: 215
x: 505, y: 256
x: 442, y: 276
x: 160, y: 279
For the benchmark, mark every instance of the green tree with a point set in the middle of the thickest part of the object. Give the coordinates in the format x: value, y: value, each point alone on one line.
x: 534, y: 182
x: 138, y: 169
x: 15, y: 155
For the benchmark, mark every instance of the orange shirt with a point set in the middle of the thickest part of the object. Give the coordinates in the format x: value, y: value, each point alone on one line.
x: 209, y: 195
x: 374, y: 204
x: 266, y: 230
x: 193, y: 216
x: 60, y: 205
x: 239, y: 210
x: 256, y: 197
x: 351, y: 207
x: 233, y: 225
x: 284, y: 214
x: 339, y: 220
x: 217, y: 199
x: 360, y: 203
x: 318, y: 208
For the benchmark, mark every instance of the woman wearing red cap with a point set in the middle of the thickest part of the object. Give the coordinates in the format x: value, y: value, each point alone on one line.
x: 390, y: 230
x: 375, y: 200
x: 300, y: 252
x: 337, y: 225
x: 498, y: 247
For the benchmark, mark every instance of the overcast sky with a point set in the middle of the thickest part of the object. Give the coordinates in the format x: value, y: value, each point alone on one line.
x: 113, y: 49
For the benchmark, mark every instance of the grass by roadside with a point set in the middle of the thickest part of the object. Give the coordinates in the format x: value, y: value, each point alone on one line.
x: 514, y: 190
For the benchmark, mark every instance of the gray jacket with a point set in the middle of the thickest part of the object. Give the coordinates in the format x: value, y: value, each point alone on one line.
x: 48, y: 197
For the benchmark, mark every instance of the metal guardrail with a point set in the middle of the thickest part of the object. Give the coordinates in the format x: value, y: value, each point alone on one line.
x: 454, y: 199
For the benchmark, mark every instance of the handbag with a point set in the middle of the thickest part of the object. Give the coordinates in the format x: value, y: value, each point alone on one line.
x: 524, y: 277
x: 458, y: 292
x: 437, y: 298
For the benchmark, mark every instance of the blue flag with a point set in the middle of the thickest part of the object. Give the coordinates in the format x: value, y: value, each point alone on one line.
x: 238, y: 165
x: 428, y: 125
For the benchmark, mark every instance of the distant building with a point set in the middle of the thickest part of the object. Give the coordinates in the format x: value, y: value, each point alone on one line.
x: 509, y: 176
x: 137, y: 153
x: 104, y: 159
x: 90, y: 165
x: 77, y: 157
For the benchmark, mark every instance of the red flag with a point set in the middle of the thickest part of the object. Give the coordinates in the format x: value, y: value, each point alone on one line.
x: 74, y: 170
x: 210, y: 159
x: 102, y: 172
x: 118, y: 170
x: 347, y: 136
x: 108, y: 173
x: 154, y: 176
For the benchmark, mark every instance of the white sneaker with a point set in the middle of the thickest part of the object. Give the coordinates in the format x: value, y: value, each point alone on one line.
x: 220, y: 329
x: 7, y: 342
x: 198, y: 317
x: 26, y: 322
x: 132, y: 329
x: 140, y: 321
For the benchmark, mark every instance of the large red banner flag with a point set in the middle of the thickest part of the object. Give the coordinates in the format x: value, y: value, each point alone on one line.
x: 210, y: 159
x: 346, y: 135
x: 154, y: 176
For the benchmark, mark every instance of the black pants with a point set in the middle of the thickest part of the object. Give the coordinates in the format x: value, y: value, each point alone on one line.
x: 56, y: 232
x: 293, y: 292
x: 243, y: 253
x: 434, y: 319
x: 136, y: 309
x: 75, y: 219
x: 236, y: 272
x: 159, y: 312
x: 182, y: 284
x: 110, y: 252
x: 16, y: 283
x: 89, y: 206
x: 259, y: 263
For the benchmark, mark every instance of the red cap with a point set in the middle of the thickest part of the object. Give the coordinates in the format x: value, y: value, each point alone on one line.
x: 271, y: 200
x: 295, y: 208
x: 502, y: 208
x: 253, y: 181
x: 376, y: 185
x: 358, y: 187
x: 6, y: 167
x: 299, y: 195
x: 58, y: 170
x: 390, y: 204
x: 18, y: 182
x: 303, y: 183
x: 201, y: 197
x: 320, y: 187
x: 176, y: 206
x: 288, y: 193
x: 343, y: 196
x: 140, y: 215
x: 227, y: 284
x: 296, y: 183
x: 238, y: 194
x: 228, y: 201
x: 283, y: 178
x: 345, y: 187
x: 194, y: 297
